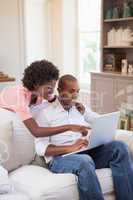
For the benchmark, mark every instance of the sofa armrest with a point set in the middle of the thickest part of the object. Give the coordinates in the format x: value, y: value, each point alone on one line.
x: 127, y: 137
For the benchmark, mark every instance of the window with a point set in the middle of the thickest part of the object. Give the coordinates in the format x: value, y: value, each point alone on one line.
x: 89, y: 12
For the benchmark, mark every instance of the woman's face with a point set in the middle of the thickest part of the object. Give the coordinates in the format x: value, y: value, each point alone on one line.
x: 46, y: 91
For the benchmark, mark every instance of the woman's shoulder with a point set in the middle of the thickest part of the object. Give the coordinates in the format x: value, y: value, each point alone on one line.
x: 16, y: 88
x: 15, y: 91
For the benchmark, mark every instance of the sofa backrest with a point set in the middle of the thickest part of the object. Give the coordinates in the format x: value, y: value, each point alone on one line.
x: 17, y: 148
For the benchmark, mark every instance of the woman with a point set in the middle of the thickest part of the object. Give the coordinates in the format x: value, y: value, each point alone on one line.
x: 38, y: 84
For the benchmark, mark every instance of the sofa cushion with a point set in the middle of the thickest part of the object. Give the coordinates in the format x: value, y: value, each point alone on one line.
x: 41, y: 184
x: 21, y: 148
x: 105, y: 179
x: 5, y: 131
x: 110, y: 196
x: 14, y: 196
x: 5, y: 138
x: 5, y: 185
x: 127, y: 137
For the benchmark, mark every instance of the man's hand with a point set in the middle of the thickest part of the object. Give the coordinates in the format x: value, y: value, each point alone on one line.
x: 78, y: 128
x: 78, y: 145
x: 80, y: 107
x: 53, y: 150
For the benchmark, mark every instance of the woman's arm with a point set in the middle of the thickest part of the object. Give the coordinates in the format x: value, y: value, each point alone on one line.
x: 53, y: 150
x: 38, y: 131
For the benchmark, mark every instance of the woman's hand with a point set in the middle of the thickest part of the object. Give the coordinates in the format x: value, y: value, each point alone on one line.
x: 78, y: 145
x: 80, y: 107
x: 77, y: 128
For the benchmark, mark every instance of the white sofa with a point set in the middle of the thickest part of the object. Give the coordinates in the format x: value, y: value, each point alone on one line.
x: 34, y: 182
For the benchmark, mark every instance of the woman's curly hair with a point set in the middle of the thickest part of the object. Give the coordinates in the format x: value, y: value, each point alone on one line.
x: 39, y: 73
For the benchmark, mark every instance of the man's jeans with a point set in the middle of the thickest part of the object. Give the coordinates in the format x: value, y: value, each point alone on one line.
x: 113, y: 155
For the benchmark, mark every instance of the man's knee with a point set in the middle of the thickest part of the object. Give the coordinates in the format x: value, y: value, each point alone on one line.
x: 119, y: 147
x: 86, y: 161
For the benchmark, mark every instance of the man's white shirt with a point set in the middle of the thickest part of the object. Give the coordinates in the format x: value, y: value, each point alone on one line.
x: 52, y: 115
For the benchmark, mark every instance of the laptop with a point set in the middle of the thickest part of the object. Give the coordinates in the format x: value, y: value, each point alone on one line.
x: 103, y: 131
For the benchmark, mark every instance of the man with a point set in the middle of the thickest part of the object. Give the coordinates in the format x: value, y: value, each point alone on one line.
x: 113, y: 155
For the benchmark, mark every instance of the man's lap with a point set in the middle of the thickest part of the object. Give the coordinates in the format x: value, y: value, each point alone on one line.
x: 70, y: 163
x: 98, y: 157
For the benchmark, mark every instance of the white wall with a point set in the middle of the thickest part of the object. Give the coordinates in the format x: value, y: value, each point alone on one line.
x: 70, y: 41
x: 51, y: 32
x: 55, y: 32
x: 11, y: 33
x: 22, y: 34
x: 35, y: 30
x: 63, y: 34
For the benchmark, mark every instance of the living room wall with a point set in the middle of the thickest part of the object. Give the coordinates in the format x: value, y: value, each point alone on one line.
x: 22, y: 34
x: 11, y: 36
x: 36, y: 29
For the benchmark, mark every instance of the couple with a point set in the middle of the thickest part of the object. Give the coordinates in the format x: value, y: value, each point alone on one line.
x: 56, y: 131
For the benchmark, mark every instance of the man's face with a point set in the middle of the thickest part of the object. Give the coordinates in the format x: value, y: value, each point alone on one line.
x: 69, y: 93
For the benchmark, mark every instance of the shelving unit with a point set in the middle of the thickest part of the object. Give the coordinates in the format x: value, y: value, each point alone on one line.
x: 109, y: 89
x: 107, y: 25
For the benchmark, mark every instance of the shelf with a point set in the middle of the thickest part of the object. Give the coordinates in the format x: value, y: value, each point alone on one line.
x: 114, y: 74
x: 119, y: 19
x: 118, y: 47
x: 117, y: 74
x: 5, y: 77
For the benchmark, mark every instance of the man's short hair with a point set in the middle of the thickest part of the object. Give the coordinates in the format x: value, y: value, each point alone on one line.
x: 64, y: 79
